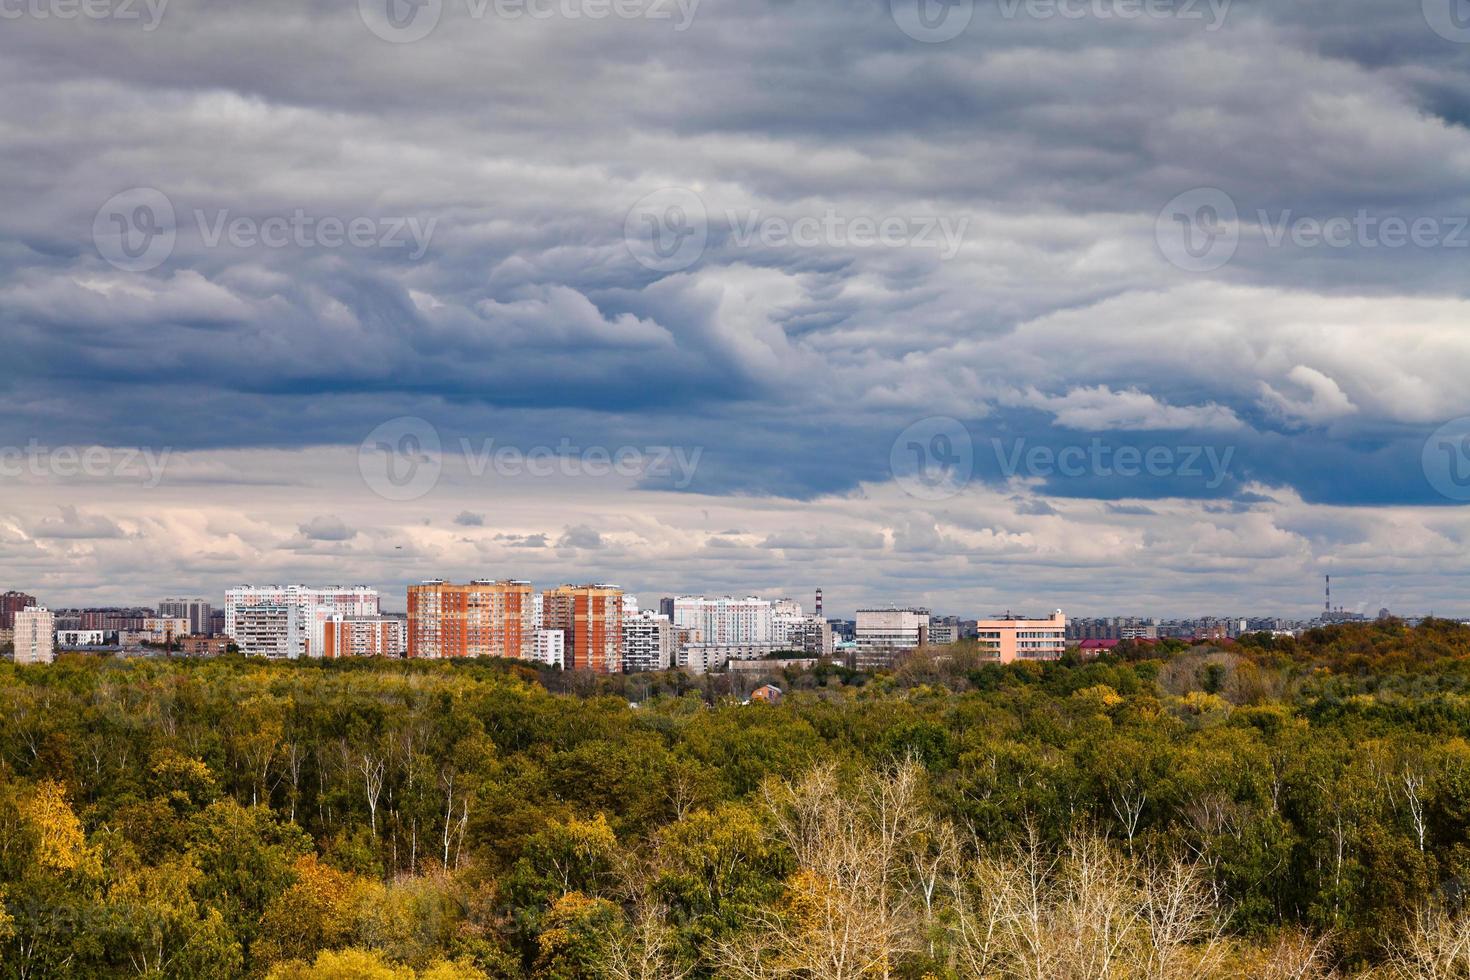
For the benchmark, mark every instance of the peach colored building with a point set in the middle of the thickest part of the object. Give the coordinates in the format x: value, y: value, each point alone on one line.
x: 591, y: 619
x: 1011, y: 639
x: 481, y: 619
x: 363, y: 636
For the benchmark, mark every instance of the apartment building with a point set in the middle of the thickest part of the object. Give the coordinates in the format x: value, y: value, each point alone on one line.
x: 484, y: 618
x: 1016, y: 638
x: 11, y: 603
x: 34, y: 635
x: 300, y: 611
x: 75, y: 639
x: 166, y: 629
x: 362, y: 636
x: 268, y: 629
x: 725, y: 620
x: 590, y: 617
x: 197, y: 611
x: 550, y: 648
x: 809, y: 634
x: 648, y: 643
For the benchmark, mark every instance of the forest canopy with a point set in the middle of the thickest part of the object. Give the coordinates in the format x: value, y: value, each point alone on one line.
x: 1289, y: 806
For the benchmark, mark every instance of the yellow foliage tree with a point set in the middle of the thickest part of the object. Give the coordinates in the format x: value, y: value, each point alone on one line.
x: 342, y: 964
x: 61, y: 841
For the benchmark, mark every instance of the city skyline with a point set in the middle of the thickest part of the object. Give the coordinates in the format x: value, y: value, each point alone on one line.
x: 650, y: 599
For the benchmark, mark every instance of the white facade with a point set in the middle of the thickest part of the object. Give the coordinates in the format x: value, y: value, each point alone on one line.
x: 726, y: 621
x: 265, y: 629
x: 300, y: 610
x: 35, y: 635
x: 73, y: 639
x: 648, y: 642
x: 805, y: 633
x: 550, y: 647
x: 891, y: 629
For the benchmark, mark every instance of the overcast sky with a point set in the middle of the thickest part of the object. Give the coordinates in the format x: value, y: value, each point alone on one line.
x: 1116, y: 306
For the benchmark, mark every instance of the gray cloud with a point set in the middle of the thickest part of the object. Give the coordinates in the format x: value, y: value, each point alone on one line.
x: 1322, y: 369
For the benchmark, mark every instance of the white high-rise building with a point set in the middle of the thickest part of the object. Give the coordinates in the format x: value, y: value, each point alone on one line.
x: 35, y: 635
x: 648, y: 643
x: 288, y: 620
x: 726, y: 621
x: 550, y: 647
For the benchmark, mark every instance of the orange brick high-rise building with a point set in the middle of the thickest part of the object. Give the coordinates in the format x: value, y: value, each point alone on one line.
x: 481, y: 619
x: 591, y: 619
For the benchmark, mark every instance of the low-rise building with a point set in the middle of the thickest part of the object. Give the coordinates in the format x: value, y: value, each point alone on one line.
x: 882, y: 634
x: 1013, y: 638
x: 204, y: 646
x: 78, y: 639
x: 166, y: 629
x: 767, y: 693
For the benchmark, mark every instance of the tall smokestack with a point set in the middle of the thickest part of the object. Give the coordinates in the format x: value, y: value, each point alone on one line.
x: 819, y: 603
x: 1328, y: 606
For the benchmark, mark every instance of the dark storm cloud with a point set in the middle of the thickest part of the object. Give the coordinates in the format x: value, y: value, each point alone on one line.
x: 519, y: 148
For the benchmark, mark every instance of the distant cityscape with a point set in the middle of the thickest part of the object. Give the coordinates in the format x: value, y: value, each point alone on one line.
x: 596, y: 627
